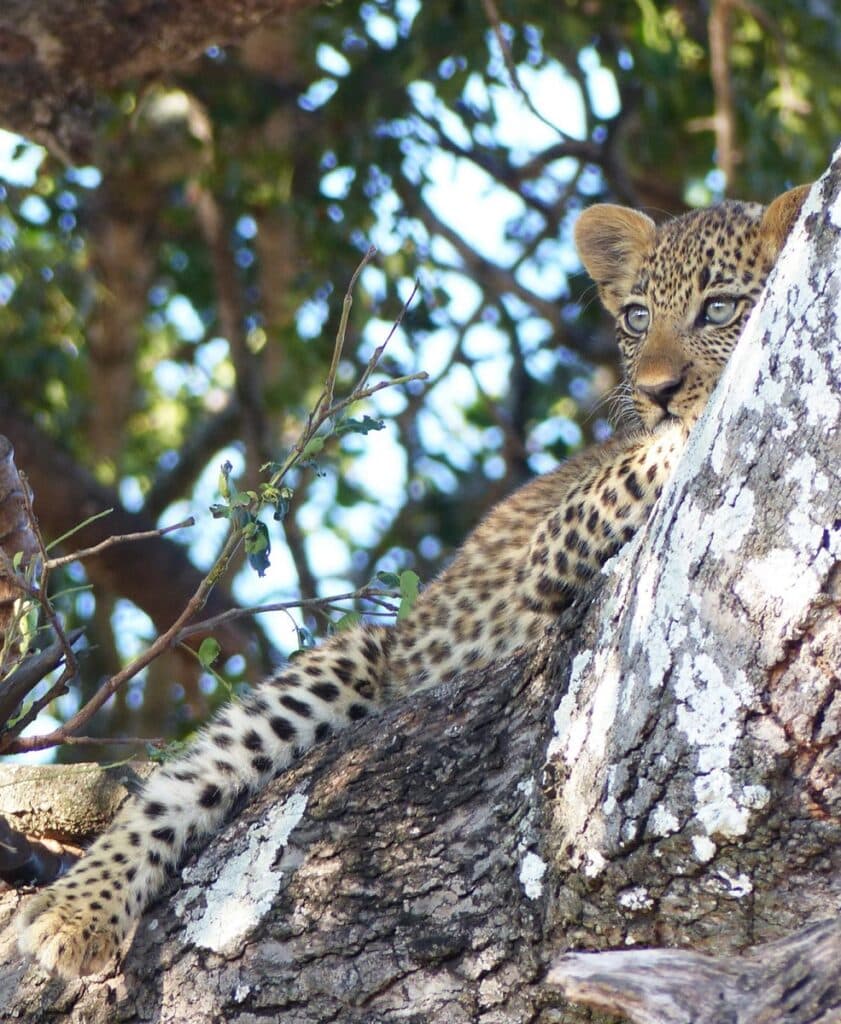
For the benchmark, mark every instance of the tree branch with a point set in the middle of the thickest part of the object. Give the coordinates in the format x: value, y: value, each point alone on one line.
x: 724, y: 119
x: 156, y: 574
x: 109, y: 542
x: 54, y: 57
x: 793, y: 980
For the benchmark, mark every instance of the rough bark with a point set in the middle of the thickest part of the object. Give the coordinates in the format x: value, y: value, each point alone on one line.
x: 665, y: 771
x: 66, y: 802
x: 17, y: 539
x: 55, y: 57
x: 795, y: 979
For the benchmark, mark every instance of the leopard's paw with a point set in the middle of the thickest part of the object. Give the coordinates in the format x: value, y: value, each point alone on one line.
x: 68, y: 937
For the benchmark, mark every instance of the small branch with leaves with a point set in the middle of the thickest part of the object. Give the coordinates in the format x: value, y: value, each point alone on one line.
x: 24, y: 665
x: 27, y: 569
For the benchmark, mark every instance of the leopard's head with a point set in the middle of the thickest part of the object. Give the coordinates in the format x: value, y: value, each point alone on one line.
x: 681, y: 292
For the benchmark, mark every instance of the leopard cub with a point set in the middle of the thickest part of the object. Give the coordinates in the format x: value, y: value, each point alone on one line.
x: 681, y: 294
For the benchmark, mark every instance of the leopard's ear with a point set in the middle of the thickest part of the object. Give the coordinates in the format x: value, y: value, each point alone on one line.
x: 779, y: 218
x: 611, y: 241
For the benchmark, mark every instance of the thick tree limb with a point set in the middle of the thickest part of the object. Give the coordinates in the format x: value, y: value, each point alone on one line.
x: 69, y: 803
x: 794, y: 980
x: 379, y: 886
x: 24, y: 859
x: 54, y: 57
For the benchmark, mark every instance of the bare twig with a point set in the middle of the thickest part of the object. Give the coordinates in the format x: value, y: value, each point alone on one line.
x: 164, y: 641
x: 79, y: 526
x: 325, y: 408
x: 496, y: 27
x: 27, y: 744
x: 366, y: 594
x: 79, y: 556
x: 326, y: 398
x: 159, y: 742
x: 39, y: 592
x: 360, y: 390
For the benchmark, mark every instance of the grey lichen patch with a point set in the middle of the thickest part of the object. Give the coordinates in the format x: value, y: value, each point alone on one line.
x: 244, y: 890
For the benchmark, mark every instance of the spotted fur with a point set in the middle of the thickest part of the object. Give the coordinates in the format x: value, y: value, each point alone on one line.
x: 681, y: 294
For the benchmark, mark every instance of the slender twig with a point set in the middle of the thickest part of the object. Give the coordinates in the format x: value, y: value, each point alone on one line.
x: 323, y: 410
x: 79, y: 526
x: 373, y: 362
x: 152, y: 741
x: 29, y: 672
x: 208, y: 625
x: 78, y: 556
x: 492, y: 15
x: 10, y: 740
x: 26, y: 744
x: 327, y: 394
x: 164, y: 641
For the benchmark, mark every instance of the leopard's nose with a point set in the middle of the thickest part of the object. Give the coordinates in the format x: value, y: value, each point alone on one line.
x: 662, y: 391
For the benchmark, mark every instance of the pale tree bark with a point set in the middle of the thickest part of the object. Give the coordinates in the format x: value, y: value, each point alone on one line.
x: 663, y: 772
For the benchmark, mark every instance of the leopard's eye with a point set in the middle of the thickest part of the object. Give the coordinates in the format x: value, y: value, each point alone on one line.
x: 720, y: 311
x: 636, y: 319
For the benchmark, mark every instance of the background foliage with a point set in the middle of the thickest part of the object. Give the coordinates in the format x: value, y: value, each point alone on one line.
x: 174, y: 305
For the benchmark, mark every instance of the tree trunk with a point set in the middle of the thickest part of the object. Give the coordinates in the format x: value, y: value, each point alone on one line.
x: 662, y: 771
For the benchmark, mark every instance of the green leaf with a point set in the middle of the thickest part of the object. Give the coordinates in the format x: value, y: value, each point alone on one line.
x: 209, y: 651
x: 389, y: 579
x: 347, y: 621
x: 408, y: 593
x: 312, y: 447
x: 220, y: 511
x: 363, y: 426
x: 257, y: 546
